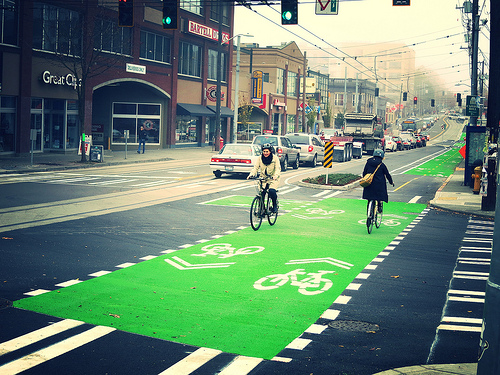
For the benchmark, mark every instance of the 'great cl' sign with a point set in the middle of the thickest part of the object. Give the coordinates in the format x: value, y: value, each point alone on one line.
x: 67, y: 80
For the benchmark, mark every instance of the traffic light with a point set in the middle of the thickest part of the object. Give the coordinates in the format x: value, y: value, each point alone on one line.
x: 415, y: 100
x: 170, y: 14
x: 289, y: 10
x: 126, y: 13
x: 459, y: 97
x: 405, y: 96
x: 433, y: 102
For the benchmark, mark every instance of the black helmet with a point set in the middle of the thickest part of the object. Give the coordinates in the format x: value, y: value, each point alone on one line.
x: 267, y: 146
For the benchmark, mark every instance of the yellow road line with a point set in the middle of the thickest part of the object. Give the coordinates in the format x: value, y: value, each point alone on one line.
x: 416, y: 178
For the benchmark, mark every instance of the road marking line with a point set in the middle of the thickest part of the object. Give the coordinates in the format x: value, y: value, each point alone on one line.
x: 289, y: 190
x: 454, y: 319
x: 281, y: 359
x: 479, y: 232
x: 69, y: 283
x: 353, y: 286
x: 39, y: 334
x: 449, y: 327
x: 36, y: 292
x: 298, y: 344
x: 241, y: 365
x: 330, y: 314
x: 362, y: 275
x: 99, y: 273
x: 192, y: 362
x: 125, y: 265
x: 466, y: 292
x: 316, y: 328
x: 342, y: 300
x: 415, y: 199
x: 53, y: 351
x: 148, y: 257
x: 321, y: 194
x: 332, y: 194
x: 466, y: 299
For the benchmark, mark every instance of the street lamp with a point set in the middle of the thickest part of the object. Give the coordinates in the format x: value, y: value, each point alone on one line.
x: 237, y: 85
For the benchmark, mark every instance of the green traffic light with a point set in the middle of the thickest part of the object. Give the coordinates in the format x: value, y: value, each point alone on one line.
x: 167, y: 21
x: 287, y: 15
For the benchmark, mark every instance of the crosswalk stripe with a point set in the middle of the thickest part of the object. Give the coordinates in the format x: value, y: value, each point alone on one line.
x: 53, y: 351
x: 39, y: 334
x: 241, y: 365
x: 192, y: 362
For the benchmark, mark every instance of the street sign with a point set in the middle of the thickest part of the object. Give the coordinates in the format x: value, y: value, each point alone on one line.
x: 327, y: 7
x: 328, y: 159
x: 400, y: 2
x: 473, y: 103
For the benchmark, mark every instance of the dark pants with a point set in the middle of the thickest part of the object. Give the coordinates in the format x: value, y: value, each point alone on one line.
x: 143, y: 143
x: 274, y: 196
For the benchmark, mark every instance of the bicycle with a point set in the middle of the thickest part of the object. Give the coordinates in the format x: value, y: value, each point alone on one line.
x: 261, y: 205
x: 373, y: 214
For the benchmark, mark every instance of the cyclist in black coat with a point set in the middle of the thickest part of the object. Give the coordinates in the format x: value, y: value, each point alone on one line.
x: 377, y: 190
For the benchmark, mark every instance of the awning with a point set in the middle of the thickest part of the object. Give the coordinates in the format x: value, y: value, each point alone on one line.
x: 184, y: 109
x: 224, y: 111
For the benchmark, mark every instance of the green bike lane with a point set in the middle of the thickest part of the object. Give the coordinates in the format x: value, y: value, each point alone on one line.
x: 248, y: 293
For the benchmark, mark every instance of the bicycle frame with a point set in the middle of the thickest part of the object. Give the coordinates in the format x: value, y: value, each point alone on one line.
x: 260, y: 205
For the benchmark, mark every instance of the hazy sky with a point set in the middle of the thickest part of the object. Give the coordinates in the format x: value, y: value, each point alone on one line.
x: 433, y: 28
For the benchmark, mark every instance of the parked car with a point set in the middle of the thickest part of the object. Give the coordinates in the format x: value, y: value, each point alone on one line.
x: 399, y: 143
x: 311, y: 147
x: 235, y: 158
x: 287, y: 154
x: 390, y: 145
x: 406, y: 143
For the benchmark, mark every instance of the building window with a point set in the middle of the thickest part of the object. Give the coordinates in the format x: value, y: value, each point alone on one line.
x: 280, y: 81
x: 265, y: 77
x: 131, y: 116
x: 7, y: 123
x: 57, y: 30
x: 193, y: 6
x: 339, y: 99
x: 212, y: 65
x: 189, y: 59
x: 292, y: 84
x: 214, y: 12
x: 155, y: 47
x: 8, y: 22
x: 109, y: 37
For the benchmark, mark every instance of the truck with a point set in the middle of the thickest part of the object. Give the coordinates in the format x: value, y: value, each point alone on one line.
x: 363, y: 128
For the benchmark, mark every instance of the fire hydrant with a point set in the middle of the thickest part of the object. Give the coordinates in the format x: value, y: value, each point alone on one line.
x: 477, y: 180
x: 221, y: 143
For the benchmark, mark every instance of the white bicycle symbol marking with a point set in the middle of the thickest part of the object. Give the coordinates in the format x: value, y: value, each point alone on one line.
x: 311, y: 285
x: 320, y: 211
x: 387, y: 222
x: 217, y: 249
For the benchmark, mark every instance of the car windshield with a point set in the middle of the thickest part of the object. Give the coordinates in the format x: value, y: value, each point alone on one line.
x: 299, y: 139
x: 262, y: 140
x: 237, y: 150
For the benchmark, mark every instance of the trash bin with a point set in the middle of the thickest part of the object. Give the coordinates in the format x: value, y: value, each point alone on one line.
x: 357, y: 150
x: 96, y: 153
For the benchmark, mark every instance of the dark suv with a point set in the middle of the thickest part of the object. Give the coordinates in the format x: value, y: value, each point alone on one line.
x: 287, y: 153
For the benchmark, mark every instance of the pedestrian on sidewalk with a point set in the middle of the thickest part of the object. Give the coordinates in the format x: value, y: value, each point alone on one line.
x: 377, y: 190
x: 143, y: 137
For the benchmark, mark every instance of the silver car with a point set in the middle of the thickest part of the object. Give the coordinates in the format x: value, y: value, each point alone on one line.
x: 312, y: 149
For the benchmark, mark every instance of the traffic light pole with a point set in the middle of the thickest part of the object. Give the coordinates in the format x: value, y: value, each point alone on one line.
x: 489, y: 354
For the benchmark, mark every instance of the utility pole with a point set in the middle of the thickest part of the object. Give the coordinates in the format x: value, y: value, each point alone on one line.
x: 489, y: 355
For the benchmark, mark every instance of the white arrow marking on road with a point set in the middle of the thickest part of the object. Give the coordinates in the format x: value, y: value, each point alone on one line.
x: 329, y: 260
x: 189, y: 266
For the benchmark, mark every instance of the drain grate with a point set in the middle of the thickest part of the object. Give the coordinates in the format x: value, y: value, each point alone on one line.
x: 4, y: 303
x: 354, y: 326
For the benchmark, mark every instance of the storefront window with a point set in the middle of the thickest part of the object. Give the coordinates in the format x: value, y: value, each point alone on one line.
x: 248, y: 131
x: 131, y: 116
x: 186, y: 129
x: 290, y: 123
x: 7, y: 123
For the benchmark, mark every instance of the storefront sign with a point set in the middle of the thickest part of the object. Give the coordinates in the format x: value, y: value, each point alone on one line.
x: 67, y: 80
x: 212, y: 94
x: 257, y: 83
x: 133, y: 68
x: 207, y: 32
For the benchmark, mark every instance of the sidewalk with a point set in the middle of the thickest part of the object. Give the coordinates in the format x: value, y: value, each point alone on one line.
x: 451, y: 196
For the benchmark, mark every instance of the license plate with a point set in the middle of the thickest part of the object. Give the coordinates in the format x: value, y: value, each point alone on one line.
x: 229, y: 167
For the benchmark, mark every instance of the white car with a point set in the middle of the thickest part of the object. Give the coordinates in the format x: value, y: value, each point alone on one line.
x: 311, y: 147
x: 390, y: 145
x: 235, y: 158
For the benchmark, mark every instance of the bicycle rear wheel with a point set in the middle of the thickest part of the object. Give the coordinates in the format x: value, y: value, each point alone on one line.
x: 370, y: 216
x: 378, y: 215
x: 271, y: 216
x: 255, y: 213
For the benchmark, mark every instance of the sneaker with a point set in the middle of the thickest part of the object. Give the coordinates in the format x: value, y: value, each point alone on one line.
x: 380, y: 207
x: 274, y: 210
x: 138, y: 152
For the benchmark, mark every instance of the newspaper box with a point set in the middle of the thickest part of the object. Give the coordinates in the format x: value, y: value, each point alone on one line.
x: 96, y: 153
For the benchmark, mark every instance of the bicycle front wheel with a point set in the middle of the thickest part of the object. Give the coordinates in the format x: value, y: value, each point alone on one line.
x: 255, y: 213
x: 378, y: 215
x: 369, y: 216
x: 271, y: 216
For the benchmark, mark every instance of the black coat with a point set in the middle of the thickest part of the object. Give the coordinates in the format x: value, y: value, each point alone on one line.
x: 377, y: 190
